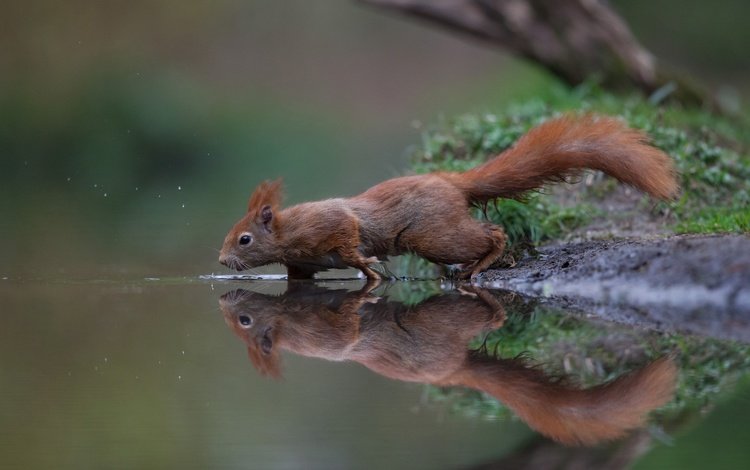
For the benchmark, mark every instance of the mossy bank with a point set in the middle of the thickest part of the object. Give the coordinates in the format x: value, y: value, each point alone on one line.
x: 710, y: 151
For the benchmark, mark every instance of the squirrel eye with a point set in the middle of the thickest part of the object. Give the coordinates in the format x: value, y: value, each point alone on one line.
x: 245, y: 321
x: 245, y: 239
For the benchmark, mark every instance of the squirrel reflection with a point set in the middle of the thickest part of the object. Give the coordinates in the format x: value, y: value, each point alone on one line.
x: 427, y: 343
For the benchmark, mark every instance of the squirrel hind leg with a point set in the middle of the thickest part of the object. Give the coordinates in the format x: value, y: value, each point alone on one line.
x: 499, y: 241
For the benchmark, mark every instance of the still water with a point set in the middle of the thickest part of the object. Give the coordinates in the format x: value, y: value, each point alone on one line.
x: 210, y: 373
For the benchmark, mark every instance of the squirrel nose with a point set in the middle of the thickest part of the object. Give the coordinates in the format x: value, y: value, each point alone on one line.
x: 224, y: 260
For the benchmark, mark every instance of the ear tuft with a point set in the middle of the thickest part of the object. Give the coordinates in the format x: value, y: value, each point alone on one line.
x: 267, y: 365
x: 268, y: 193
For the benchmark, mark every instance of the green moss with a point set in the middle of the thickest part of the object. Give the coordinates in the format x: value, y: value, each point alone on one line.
x: 716, y: 219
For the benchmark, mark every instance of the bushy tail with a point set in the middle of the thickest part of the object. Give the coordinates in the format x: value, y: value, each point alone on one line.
x: 563, y: 147
x: 565, y: 413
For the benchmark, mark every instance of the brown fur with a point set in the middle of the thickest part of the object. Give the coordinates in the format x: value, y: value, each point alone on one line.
x: 429, y: 214
x: 568, y: 414
x: 427, y: 343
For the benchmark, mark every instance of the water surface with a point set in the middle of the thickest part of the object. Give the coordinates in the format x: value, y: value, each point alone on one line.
x: 149, y: 372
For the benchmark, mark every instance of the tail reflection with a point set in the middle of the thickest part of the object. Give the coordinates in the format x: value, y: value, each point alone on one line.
x: 427, y: 343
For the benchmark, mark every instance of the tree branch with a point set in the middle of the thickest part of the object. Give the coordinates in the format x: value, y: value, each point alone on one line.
x: 574, y: 39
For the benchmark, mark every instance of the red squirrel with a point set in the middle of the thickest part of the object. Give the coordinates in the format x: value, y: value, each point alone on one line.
x: 428, y: 215
x: 429, y: 343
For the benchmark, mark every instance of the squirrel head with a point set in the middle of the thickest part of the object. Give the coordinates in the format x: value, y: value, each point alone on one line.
x: 254, y: 318
x: 253, y: 240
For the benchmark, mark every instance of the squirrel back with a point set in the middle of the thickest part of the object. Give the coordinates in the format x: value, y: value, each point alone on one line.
x: 564, y: 146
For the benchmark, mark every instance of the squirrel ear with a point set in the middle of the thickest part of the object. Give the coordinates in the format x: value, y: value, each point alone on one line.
x: 266, y: 215
x: 268, y: 193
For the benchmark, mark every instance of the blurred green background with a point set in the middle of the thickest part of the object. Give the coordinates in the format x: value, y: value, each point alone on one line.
x: 131, y: 135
